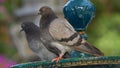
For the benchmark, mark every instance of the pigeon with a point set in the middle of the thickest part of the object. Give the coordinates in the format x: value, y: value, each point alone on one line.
x: 32, y: 33
x: 60, y: 37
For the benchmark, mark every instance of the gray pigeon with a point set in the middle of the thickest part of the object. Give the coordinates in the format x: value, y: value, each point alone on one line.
x: 60, y: 37
x: 33, y: 37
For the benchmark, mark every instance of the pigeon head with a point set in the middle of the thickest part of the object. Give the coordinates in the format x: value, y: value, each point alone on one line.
x: 47, y: 15
x: 45, y: 10
x: 29, y: 27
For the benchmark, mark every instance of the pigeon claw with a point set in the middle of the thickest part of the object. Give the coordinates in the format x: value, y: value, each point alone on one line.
x: 57, y: 59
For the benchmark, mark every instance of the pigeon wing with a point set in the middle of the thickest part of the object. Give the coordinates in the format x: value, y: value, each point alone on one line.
x: 62, y: 31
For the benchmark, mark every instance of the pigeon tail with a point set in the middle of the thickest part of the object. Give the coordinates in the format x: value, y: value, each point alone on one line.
x: 88, y: 49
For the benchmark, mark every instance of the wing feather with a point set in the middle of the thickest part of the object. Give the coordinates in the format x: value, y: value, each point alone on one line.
x: 61, y: 29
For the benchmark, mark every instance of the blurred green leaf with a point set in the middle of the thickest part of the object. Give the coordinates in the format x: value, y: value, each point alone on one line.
x: 115, y: 5
x: 107, y: 34
x: 2, y: 17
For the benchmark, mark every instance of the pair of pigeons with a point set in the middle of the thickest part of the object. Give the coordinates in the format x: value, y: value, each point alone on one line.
x: 55, y: 38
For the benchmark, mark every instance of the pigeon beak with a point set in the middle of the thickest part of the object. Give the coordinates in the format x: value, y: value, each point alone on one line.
x: 39, y: 13
x: 22, y: 26
x: 21, y: 30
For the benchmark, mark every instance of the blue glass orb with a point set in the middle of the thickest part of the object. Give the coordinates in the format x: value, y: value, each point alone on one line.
x: 79, y: 13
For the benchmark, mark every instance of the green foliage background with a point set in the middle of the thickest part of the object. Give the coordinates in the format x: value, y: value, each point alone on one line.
x: 104, y: 31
